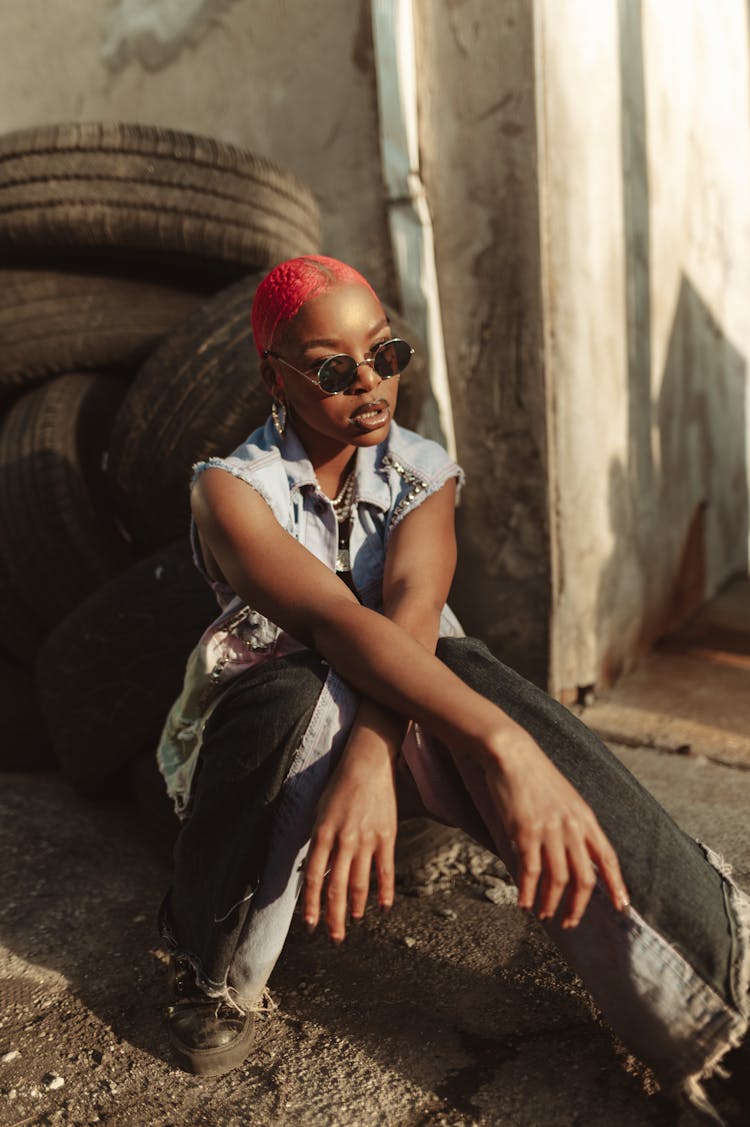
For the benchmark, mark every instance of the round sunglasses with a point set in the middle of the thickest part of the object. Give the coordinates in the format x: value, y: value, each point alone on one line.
x: 337, y: 373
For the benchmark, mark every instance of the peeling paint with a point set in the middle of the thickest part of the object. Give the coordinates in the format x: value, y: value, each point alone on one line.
x: 155, y: 32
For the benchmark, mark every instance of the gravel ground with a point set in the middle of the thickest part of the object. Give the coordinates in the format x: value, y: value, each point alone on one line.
x: 451, y: 1010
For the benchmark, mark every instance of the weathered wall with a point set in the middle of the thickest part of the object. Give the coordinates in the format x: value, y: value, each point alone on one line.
x: 256, y: 74
x: 587, y: 166
x: 645, y: 177
x: 296, y: 82
x: 479, y: 165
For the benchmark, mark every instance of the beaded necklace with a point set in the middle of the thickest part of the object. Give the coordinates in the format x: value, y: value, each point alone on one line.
x: 342, y: 509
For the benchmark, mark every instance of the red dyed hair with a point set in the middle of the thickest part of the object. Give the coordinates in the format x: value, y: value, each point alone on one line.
x: 284, y: 291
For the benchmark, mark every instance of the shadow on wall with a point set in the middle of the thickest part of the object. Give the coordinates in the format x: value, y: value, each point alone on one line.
x: 679, y: 509
x: 689, y: 531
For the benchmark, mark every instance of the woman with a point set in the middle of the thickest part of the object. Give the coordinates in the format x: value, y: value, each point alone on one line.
x: 336, y: 686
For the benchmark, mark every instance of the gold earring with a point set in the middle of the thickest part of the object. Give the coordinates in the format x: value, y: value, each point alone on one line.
x: 278, y: 411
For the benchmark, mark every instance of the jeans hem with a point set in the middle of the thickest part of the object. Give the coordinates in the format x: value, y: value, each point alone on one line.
x: 690, y: 1090
x: 221, y: 991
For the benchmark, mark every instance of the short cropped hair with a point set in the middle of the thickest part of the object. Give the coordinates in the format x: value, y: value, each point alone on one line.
x: 291, y: 284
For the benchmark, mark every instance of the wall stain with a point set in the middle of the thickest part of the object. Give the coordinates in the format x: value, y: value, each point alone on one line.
x: 155, y: 32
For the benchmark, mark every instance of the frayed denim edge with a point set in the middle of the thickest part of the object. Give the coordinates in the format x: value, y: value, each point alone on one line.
x: 691, y: 1090
x: 222, y: 992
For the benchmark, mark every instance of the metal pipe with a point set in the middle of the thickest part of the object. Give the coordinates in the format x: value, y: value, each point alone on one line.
x: 408, y: 210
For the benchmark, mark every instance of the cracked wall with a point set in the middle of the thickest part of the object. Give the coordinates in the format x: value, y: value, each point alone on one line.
x: 647, y: 272
x: 479, y: 143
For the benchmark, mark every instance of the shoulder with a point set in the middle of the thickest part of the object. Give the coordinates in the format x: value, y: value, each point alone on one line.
x: 419, y: 455
x: 417, y: 467
x: 259, y: 463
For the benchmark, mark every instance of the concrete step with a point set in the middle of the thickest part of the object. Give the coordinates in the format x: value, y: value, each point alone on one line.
x: 692, y: 693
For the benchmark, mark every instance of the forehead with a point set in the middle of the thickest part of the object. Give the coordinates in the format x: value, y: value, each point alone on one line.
x: 346, y: 311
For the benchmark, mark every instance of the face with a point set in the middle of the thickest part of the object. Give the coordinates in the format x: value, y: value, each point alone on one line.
x: 348, y: 319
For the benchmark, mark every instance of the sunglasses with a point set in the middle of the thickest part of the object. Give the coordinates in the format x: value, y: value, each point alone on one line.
x: 337, y: 373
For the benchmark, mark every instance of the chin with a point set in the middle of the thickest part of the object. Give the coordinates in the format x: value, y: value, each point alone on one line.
x: 371, y: 437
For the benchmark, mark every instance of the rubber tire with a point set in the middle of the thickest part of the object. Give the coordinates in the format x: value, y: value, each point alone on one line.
x: 62, y: 541
x: 52, y: 322
x: 108, y: 673
x: 25, y: 743
x: 155, y: 808
x: 152, y: 194
x: 200, y: 394
x: 21, y: 632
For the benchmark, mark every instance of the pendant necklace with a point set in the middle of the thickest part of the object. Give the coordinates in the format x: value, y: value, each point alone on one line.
x: 342, y: 509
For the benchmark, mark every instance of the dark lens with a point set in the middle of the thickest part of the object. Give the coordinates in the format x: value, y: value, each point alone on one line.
x: 391, y: 358
x: 337, y: 373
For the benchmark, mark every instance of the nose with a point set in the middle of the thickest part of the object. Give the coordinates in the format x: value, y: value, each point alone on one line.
x: 367, y: 377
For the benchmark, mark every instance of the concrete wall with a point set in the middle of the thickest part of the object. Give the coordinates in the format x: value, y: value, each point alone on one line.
x: 587, y: 166
x: 257, y: 74
x: 479, y: 143
x: 296, y: 81
x: 645, y: 173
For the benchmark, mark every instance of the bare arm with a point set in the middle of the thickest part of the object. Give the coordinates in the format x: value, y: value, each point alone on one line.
x: 554, y: 829
x: 357, y: 814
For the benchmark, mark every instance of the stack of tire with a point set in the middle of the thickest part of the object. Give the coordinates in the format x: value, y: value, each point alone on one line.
x: 129, y: 257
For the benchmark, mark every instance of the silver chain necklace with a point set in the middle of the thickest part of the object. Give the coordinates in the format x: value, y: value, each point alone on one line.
x: 342, y: 510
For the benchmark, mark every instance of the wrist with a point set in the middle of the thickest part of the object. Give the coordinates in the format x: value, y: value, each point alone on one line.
x: 372, y: 749
x: 502, y: 747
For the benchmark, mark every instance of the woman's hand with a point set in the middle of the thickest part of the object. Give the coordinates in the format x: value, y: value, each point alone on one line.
x: 559, y: 841
x: 356, y: 825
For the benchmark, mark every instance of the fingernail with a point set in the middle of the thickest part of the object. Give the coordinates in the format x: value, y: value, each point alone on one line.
x: 385, y: 907
x: 310, y: 926
x: 624, y: 903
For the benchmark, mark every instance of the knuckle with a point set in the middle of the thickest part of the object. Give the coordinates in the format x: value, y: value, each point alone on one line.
x: 527, y: 836
x: 570, y: 822
x: 533, y: 825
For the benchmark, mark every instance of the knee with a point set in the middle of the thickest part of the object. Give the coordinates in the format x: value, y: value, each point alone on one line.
x: 471, y: 660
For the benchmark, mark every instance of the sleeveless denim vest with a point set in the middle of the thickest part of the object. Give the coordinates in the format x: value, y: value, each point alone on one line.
x: 390, y: 480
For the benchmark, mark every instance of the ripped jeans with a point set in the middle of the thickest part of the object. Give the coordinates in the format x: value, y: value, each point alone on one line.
x: 671, y: 975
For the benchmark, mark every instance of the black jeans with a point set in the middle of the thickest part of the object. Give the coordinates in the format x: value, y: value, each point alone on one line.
x: 670, y: 975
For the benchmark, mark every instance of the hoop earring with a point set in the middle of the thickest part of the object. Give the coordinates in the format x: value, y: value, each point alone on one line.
x: 278, y: 411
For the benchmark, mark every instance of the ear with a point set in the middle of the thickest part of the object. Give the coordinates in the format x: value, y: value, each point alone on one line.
x: 272, y: 379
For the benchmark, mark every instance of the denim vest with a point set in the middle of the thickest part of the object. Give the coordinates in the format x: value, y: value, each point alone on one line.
x: 390, y: 480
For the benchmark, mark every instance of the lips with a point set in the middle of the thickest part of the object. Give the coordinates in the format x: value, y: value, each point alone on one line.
x: 370, y: 416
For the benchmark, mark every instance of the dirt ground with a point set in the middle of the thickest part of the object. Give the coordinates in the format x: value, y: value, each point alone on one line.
x: 451, y: 1010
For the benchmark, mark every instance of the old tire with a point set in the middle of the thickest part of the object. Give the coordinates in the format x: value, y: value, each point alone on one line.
x: 53, y: 321
x: 25, y: 743
x: 150, y: 194
x: 108, y: 673
x: 200, y: 394
x: 154, y: 806
x: 60, y: 540
x: 21, y: 632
